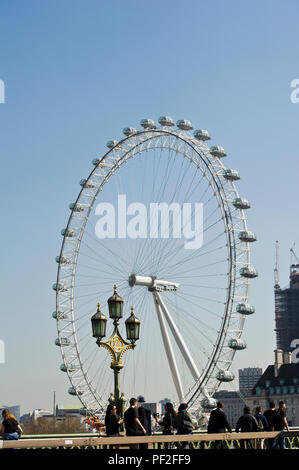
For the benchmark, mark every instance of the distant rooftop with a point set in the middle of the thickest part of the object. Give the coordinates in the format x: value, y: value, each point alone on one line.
x: 288, y: 375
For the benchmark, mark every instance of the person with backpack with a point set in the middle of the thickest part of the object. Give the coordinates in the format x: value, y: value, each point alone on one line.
x: 246, y: 423
x: 262, y: 425
x: 183, y: 423
x: 270, y: 415
x: 280, y: 423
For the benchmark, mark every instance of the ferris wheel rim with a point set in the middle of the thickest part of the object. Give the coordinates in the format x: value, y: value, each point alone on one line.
x: 159, y: 132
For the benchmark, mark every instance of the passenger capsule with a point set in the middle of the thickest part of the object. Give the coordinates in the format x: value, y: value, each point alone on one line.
x: 129, y: 131
x: 166, y: 121
x: 184, y: 124
x: 76, y: 207
x: 245, y: 309
x: 111, y: 144
x: 87, y: 183
x: 218, y: 151
x: 96, y: 161
x: 148, y: 124
x: 208, y: 403
x: 225, y: 376
x: 248, y: 272
x: 201, y: 134
x: 246, y: 236
x: 68, y: 232
x: 231, y: 175
x: 70, y: 368
x: 62, y: 260
x: 59, y: 287
x: 73, y: 391
x: 62, y: 342
x: 60, y: 315
x: 241, y: 203
x: 237, y: 344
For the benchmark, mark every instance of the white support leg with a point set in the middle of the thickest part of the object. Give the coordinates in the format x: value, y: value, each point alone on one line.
x: 169, y: 351
x: 180, y: 342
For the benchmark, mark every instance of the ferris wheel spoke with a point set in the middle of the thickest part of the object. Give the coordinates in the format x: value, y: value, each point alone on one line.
x: 170, y: 254
x: 209, y: 265
x: 197, y: 319
x: 111, y: 252
x: 101, y: 258
x: 196, y: 255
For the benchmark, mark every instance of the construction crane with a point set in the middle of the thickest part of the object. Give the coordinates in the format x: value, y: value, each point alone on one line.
x: 276, y: 269
x: 294, y: 255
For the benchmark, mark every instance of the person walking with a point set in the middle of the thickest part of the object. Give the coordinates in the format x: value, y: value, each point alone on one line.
x: 11, y: 430
x: 262, y: 425
x: 270, y: 415
x: 218, y: 424
x: 132, y: 423
x: 280, y: 423
x: 112, y: 423
x: 168, y: 422
x: 145, y: 419
x: 183, y: 423
x: 246, y: 423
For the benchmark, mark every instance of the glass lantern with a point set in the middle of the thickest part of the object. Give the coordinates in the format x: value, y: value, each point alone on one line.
x: 115, y: 305
x: 98, y: 323
x: 132, y: 327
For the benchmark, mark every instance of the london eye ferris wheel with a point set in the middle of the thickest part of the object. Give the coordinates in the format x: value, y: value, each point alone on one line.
x: 191, y: 298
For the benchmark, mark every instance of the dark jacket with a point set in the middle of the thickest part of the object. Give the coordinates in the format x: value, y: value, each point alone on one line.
x: 145, y: 419
x: 218, y: 422
x: 183, y: 422
x: 247, y: 423
x: 168, y: 422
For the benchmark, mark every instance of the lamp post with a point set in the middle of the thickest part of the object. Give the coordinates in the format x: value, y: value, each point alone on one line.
x: 115, y: 344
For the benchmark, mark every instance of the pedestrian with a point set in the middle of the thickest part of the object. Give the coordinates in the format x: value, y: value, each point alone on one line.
x: 246, y: 423
x: 112, y: 423
x: 262, y: 425
x: 145, y: 419
x: 11, y: 430
x: 269, y: 415
x: 280, y: 423
x: 183, y: 423
x: 132, y: 423
x: 168, y: 422
x: 218, y: 424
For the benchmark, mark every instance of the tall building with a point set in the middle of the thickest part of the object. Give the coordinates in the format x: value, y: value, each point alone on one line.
x: 287, y: 312
x: 248, y: 377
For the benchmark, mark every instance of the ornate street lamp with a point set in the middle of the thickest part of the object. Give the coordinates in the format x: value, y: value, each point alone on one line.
x: 115, y: 344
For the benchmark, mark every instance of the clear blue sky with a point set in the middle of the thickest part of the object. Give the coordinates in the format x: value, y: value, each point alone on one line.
x: 76, y: 72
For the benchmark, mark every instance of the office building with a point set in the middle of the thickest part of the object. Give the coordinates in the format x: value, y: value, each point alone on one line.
x: 248, y: 377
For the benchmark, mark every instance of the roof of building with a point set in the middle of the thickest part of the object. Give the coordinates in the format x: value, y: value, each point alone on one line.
x: 288, y: 373
x: 70, y: 407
